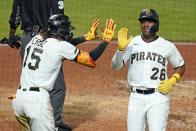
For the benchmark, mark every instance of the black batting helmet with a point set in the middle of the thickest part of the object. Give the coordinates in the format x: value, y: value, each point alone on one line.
x: 150, y: 14
x: 60, y: 25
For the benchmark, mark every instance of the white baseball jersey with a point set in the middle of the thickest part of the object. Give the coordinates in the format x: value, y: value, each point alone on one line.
x: 42, y: 61
x: 147, y: 62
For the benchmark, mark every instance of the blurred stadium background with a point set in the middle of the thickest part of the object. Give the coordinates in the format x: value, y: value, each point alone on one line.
x: 177, y: 17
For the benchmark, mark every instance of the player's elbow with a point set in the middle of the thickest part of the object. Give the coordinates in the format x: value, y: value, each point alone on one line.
x: 85, y: 59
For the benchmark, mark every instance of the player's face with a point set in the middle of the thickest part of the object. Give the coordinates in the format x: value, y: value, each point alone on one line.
x: 145, y: 27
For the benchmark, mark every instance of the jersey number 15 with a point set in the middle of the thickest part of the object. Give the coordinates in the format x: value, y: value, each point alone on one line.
x: 33, y: 57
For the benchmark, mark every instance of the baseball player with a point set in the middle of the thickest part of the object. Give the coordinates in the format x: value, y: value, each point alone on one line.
x: 147, y: 56
x: 33, y: 16
x: 42, y: 62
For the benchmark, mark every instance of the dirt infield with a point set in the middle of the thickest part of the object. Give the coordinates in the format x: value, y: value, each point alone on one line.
x: 97, y: 99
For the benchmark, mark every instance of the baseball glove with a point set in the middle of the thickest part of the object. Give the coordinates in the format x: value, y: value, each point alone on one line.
x: 13, y: 41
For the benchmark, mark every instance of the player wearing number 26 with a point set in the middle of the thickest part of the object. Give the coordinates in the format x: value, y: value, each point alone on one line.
x: 147, y: 56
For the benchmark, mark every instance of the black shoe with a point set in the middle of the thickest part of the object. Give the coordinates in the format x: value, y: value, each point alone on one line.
x: 64, y: 127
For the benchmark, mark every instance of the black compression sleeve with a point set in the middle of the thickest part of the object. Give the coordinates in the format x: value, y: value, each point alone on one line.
x: 97, y: 52
x: 78, y: 40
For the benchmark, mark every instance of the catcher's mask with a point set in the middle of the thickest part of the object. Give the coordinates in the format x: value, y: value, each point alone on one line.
x: 60, y: 25
x: 152, y: 15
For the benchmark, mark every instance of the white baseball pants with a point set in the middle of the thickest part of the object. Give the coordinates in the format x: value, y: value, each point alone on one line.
x: 151, y: 109
x: 33, y: 110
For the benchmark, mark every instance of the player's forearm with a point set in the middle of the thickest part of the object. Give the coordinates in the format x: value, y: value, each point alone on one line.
x: 97, y: 52
x: 166, y: 85
x: 89, y: 59
x: 180, y: 70
x: 77, y: 41
x: 12, y: 31
x: 117, y: 60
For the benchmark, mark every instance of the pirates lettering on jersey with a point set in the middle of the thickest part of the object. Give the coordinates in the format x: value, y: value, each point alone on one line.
x: 148, y: 56
x: 38, y: 42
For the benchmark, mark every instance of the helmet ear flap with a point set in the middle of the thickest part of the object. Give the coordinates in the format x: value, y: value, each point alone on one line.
x: 69, y: 36
x: 155, y: 28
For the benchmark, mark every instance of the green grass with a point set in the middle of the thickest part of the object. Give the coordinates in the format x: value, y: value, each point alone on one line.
x: 177, y: 17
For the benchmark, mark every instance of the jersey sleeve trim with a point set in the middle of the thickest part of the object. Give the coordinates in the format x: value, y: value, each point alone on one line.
x: 179, y: 66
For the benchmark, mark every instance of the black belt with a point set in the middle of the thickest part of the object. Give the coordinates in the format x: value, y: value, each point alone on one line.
x: 148, y: 91
x: 31, y: 89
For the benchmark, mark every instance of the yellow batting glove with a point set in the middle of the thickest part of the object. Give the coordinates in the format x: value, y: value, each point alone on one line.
x: 92, y: 34
x: 166, y: 85
x: 108, y: 33
x: 122, y: 39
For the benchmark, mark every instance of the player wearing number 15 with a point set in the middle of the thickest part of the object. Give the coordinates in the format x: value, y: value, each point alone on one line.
x: 42, y: 62
x: 147, y: 56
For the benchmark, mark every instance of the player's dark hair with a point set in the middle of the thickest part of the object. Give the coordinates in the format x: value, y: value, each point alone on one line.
x: 44, y: 34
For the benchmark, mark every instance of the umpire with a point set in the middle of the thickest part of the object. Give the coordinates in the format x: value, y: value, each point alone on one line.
x: 33, y: 15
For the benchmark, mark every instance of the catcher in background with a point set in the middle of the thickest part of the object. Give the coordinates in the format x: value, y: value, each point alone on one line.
x: 42, y: 62
x: 147, y: 56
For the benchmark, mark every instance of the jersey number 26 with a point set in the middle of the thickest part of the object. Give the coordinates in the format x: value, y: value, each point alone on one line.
x: 155, y: 75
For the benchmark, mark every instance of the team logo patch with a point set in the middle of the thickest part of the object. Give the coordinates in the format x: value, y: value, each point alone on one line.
x: 60, y: 5
x: 147, y: 11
